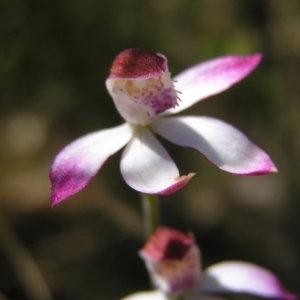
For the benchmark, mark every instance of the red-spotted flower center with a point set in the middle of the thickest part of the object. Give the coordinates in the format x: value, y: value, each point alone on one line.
x: 153, y: 95
x: 141, y: 86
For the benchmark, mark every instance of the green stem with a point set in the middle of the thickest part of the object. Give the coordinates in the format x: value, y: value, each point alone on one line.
x: 151, y: 213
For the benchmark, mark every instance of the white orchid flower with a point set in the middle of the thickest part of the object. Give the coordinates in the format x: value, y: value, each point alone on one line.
x: 144, y: 94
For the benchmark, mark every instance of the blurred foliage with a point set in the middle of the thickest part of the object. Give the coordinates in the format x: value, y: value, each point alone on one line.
x: 54, y: 59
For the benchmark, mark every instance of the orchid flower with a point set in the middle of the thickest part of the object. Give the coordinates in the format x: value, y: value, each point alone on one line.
x: 173, y: 261
x: 144, y: 94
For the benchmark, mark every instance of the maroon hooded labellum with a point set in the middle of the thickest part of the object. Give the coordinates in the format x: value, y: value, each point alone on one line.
x: 138, y: 64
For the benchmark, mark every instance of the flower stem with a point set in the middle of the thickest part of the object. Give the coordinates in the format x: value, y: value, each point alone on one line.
x: 151, y: 213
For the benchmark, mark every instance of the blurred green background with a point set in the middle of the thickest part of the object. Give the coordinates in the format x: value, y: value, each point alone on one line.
x: 54, y: 58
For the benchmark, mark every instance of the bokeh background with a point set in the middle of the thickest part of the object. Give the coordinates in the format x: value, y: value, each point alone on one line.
x: 54, y: 58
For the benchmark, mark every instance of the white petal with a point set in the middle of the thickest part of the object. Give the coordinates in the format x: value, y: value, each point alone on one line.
x: 158, y: 295
x: 241, y: 277
x: 153, y: 295
x: 222, y: 144
x: 212, y: 77
x: 147, y: 167
x: 75, y: 166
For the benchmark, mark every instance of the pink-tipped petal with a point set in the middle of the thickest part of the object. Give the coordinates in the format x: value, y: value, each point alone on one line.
x: 212, y: 77
x: 76, y: 164
x: 147, y: 167
x: 150, y: 295
x: 241, y: 277
x: 222, y: 144
x: 180, y: 183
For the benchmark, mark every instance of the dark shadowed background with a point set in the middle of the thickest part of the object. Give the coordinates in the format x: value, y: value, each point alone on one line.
x: 54, y: 58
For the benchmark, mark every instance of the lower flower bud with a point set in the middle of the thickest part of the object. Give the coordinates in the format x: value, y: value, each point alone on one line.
x: 173, y: 261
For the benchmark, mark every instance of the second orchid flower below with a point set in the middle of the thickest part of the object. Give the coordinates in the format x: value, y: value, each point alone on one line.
x: 144, y: 93
x: 174, y: 264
